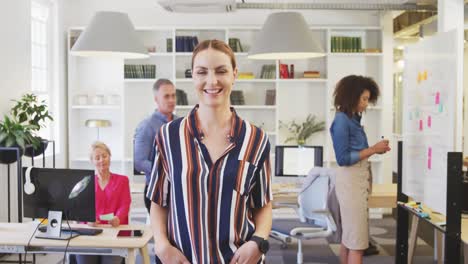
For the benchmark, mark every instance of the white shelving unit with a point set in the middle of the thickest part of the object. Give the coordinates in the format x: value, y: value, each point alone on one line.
x: 295, y: 98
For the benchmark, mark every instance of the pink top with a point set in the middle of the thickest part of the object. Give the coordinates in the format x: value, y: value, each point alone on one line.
x: 115, y: 198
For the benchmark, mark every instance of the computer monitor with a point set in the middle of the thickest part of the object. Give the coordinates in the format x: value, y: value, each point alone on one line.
x: 70, y: 191
x: 297, y: 160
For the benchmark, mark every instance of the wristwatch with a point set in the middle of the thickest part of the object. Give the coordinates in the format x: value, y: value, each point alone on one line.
x: 262, y: 244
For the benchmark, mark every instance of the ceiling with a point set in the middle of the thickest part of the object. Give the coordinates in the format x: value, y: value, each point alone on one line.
x: 420, y: 5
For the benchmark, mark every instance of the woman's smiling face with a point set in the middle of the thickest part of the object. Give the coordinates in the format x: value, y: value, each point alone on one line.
x: 213, y: 76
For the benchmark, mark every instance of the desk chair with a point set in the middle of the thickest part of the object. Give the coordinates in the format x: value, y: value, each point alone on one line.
x: 314, y: 219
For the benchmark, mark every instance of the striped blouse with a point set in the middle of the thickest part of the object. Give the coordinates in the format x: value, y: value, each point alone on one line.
x: 210, y: 202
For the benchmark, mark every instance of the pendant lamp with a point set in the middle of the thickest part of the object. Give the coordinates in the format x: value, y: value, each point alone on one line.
x: 110, y: 34
x: 285, y: 35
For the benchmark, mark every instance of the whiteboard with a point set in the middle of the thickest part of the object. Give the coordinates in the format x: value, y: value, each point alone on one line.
x: 429, y: 106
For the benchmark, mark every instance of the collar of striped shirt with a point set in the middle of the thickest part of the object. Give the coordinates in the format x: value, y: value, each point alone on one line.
x: 196, y: 131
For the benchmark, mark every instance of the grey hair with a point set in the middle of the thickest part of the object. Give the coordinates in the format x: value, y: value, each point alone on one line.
x: 98, y: 145
x: 160, y: 82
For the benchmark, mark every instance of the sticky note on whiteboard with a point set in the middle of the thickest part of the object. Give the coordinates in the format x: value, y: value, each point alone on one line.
x: 420, y: 125
x: 429, y: 121
x: 437, y: 98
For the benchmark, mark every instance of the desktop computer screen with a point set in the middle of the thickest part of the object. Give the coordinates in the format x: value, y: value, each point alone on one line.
x: 70, y: 191
x: 297, y: 160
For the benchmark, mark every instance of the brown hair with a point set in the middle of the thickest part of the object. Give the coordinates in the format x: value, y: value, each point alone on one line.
x: 216, y: 45
x: 348, y: 92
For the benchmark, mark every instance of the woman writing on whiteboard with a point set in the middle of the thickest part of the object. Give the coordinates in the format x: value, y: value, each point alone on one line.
x: 353, y: 181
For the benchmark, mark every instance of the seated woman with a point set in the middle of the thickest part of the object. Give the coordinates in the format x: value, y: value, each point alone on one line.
x: 112, y: 199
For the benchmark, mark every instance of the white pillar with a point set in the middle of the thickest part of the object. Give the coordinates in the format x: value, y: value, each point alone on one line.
x: 386, y: 22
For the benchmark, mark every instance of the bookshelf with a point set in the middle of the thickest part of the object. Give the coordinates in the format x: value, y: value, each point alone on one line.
x: 294, y: 98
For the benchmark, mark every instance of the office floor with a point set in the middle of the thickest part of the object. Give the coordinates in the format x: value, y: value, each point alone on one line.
x: 316, y: 251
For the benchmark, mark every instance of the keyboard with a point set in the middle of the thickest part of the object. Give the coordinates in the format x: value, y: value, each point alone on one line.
x: 79, y: 230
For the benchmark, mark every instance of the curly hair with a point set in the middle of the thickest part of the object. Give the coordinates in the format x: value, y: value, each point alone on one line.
x: 348, y: 92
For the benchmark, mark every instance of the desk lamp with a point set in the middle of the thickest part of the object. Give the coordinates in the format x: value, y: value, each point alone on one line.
x: 97, y: 123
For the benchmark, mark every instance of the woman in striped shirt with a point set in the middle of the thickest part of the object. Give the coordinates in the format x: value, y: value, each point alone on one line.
x: 211, y: 182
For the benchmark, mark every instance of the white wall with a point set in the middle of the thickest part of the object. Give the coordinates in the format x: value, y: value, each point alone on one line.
x: 15, y: 51
x: 15, y: 75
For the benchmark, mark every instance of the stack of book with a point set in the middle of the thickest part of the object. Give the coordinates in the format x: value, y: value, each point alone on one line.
x: 237, y: 97
x: 181, y: 97
x: 235, y: 45
x: 139, y: 71
x: 268, y: 71
x: 270, y: 98
x: 246, y: 75
x: 372, y: 50
x: 311, y: 74
x: 346, y: 44
x: 186, y: 43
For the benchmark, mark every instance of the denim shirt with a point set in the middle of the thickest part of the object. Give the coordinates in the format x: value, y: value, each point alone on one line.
x: 144, y: 142
x: 348, y: 138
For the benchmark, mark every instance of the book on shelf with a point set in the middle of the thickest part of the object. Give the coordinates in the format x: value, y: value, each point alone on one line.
x: 237, y: 97
x: 235, y: 45
x: 181, y: 97
x: 169, y: 44
x: 245, y: 76
x: 291, y: 71
x: 270, y: 98
x: 186, y: 43
x: 311, y: 74
x: 139, y: 71
x: 372, y: 50
x: 346, y: 44
x: 283, y: 71
x: 268, y: 71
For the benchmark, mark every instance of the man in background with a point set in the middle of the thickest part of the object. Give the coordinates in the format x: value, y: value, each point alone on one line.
x: 146, y: 131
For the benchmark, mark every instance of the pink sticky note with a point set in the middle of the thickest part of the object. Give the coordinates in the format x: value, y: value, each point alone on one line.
x: 437, y: 98
x: 429, y: 152
x: 420, y: 125
x: 429, y: 163
x: 429, y: 121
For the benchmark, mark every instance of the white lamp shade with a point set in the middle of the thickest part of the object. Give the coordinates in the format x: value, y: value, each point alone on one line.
x: 285, y: 35
x: 110, y: 34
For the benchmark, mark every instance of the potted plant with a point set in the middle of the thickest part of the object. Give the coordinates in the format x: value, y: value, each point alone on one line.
x: 301, y: 132
x: 14, y: 134
x: 33, y: 113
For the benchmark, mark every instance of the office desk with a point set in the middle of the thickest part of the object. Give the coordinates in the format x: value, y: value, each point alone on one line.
x: 14, y: 239
x: 382, y: 196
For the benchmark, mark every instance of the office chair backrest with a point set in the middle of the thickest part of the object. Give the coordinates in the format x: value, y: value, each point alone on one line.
x: 314, y: 198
